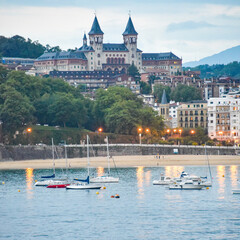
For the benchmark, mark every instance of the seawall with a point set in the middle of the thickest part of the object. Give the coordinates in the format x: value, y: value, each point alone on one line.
x: 31, y: 152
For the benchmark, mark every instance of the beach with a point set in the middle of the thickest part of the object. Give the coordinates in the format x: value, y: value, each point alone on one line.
x: 126, y: 161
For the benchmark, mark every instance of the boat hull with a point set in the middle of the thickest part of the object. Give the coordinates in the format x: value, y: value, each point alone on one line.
x: 104, y: 180
x: 82, y: 187
x: 58, y: 186
x: 159, y: 182
x: 236, y: 191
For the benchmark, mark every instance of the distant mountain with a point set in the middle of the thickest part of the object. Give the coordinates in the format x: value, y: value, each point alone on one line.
x: 224, y: 57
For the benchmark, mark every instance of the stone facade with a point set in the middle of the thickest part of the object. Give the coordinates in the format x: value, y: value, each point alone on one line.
x: 95, y: 55
x: 193, y: 114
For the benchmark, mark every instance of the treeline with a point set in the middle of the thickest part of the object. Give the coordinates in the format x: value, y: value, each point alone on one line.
x: 218, y: 70
x: 28, y: 100
x: 182, y: 93
x: 18, y: 46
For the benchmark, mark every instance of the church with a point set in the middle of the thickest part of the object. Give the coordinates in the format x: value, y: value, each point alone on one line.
x: 95, y: 55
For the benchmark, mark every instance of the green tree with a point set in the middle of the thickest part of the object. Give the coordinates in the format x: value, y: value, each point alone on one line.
x: 133, y: 72
x: 158, y: 92
x: 145, y: 88
x: 16, y: 110
x: 184, y: 93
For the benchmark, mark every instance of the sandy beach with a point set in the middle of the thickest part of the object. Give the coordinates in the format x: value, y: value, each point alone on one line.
x: 126, y: 161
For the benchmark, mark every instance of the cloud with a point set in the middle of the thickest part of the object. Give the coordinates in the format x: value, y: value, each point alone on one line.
x: 188, y: 25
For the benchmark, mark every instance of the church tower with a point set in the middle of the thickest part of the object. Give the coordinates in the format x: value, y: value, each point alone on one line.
x: 164, y: 108
x: 130, y: 41
x: 84, y: 40
x: 96, y: 42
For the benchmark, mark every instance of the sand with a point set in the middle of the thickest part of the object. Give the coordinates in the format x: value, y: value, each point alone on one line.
x: 126, y: 161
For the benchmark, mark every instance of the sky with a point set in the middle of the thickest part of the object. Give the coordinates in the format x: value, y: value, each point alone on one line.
x: 190, y: 29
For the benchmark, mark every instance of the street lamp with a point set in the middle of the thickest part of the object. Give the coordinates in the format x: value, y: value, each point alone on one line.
x: 192, y: 132
x: 180, y: 131
x: 168, y: 131
x: 100, y: 129
x: 140, y: 135
x: 174, y: 130
x: 221, y: 134
x: 147, y: 130
x: 29, y: 130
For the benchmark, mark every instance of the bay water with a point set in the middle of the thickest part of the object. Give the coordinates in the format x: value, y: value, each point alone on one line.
x: 143, y: 211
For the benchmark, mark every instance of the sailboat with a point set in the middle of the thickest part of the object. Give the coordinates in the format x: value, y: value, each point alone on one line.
x: 51, y: 180
x: 84, y: 184
x: 107, y: 178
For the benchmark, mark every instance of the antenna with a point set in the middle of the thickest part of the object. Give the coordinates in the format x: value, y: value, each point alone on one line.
x: 129, y: 13
x: 95, y: 12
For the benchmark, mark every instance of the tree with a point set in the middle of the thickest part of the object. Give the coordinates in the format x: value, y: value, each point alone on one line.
x: 133, y: 72
x: 145, y: 88
x: 184, y: 93
x: 158, y: 92
x: 16, y: 110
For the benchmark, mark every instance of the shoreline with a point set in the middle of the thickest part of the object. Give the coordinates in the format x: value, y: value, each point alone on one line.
x: 125, y: 161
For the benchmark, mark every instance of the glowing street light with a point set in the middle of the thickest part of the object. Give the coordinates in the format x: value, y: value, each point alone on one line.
x: 192, y: 132
x: 140, y: 135
x: 168, y: 131
x: 174, y: 130
x: 29, y: 130
x: 147, y: 130
x: 180, y: 131
x: 100, y: 129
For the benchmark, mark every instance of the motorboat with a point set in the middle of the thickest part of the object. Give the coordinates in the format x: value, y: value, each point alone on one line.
x: 186, y: 185
x: 236, y: 191
x: 163, y: 180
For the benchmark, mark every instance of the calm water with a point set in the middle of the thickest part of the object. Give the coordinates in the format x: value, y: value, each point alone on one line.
x: 143, y: 211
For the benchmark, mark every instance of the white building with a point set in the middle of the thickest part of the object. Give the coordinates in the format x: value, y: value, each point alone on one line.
x: 224, y: 118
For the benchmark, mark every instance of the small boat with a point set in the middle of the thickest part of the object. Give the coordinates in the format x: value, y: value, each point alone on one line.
x: 107, y: 178
x: 186, y: 185
x: 163, y: 180
x: 236, y: 191
x: 60, y: 185
x: 44, y: 183
x: 84, y: 184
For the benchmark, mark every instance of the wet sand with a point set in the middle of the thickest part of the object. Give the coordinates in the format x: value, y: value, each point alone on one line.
x: 126, y: 161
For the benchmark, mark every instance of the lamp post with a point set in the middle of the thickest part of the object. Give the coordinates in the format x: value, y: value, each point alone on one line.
x: 1, y: 138
x: 140, y: 135
x: 29, y: 130
x: 180, y: 131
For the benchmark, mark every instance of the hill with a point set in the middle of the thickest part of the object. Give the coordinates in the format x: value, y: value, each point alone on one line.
x: 224, y: 57
x: 18, y: 46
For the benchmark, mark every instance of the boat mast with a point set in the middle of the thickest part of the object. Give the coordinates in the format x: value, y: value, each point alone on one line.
x: 209, y: 168
x: 66, y: 160
x: 88, y: 153
x: 108, y: 157
x: 53, y: 157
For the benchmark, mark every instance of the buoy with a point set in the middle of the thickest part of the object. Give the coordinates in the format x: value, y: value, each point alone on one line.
x: 222, y: 175
x: 207, y: 187
x: 112, y: 196
x: 35, y: 180
x: 97, y: 192
x: 19, y: 190
x: 104, y: 187
x: 117, y: 196
x: 3, y: 182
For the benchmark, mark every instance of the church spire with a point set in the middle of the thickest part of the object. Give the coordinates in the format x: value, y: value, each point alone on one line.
x: 95, y: 28
x: 130, y: 30
x: 164, y: 97
x: 85, y: 39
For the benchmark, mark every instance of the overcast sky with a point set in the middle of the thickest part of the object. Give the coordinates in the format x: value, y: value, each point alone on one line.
x: 192, y: 29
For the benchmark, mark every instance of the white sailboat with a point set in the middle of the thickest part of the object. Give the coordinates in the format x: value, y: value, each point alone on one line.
x: 84, y: 184
x: 106, y: 178
x: 51, y: 180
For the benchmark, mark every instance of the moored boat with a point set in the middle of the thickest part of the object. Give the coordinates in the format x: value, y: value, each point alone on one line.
x: 186, y: 185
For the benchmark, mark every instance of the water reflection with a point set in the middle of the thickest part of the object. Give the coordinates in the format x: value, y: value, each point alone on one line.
x: 29, y: 182
x: 100, y: 171
x: 173, y: 171
x: 148, y: 177
x: 140, y: 174
x: 221, y: 180
x: 234, y: 174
